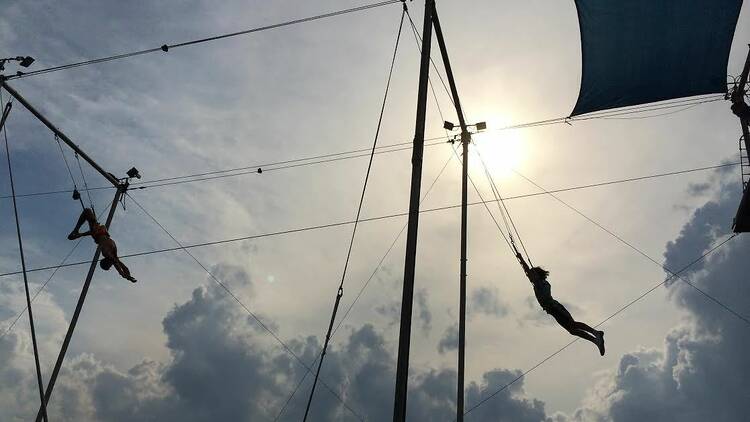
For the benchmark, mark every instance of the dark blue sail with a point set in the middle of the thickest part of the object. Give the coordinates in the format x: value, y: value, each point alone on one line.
x: 643, y: 51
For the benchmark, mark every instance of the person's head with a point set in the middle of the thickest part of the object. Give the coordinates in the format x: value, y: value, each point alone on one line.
x: 539, y: 272
x: 106, y: 263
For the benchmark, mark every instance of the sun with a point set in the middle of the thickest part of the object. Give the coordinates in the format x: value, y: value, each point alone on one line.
x: 501, y: 150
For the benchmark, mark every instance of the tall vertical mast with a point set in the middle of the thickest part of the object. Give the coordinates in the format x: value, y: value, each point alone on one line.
x: 741, y: 109
x: 404, y: 340
x: 465, y: 140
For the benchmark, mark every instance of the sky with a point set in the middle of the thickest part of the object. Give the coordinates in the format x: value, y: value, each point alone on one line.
x: 176, y: 346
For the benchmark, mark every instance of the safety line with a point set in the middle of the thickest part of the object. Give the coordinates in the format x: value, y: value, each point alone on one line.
x: 166, y: 47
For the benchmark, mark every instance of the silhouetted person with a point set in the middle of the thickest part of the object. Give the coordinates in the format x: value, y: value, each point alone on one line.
x: 741, y: 110
x: 543, y: 293
x: 101, y: 237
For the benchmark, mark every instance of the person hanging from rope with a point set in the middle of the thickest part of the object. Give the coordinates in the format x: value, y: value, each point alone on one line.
x: 101, y: 237
x: 543, y: 292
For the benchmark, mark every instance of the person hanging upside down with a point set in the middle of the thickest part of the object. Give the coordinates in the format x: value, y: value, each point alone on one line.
x: 543, y: 293
x: 106, y: 244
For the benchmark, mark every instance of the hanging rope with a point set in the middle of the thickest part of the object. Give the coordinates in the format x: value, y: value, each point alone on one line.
x: 85, y: 185
x: 340, y: 291
x: 504, y: 211
x: 76, y: 194
x: 6, y: 111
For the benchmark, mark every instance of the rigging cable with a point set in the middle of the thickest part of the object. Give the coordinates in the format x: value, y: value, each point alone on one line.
x: 166, y: 47
x: 620, y: 310
x: 300, y: 162
x: 3, y: 119
x: 237, y: 299
x: 340, y: 291
x: 253, y: 169
x: 389, y: 216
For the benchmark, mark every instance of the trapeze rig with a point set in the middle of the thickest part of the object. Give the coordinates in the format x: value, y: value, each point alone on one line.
x: 121, y: 186
x: 742, y: 110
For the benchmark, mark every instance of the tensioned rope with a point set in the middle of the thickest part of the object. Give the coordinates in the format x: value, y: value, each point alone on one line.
x: 320, y: 159
x: 394, y: 215
x: 249, y: 312
x: 340, y: 291
x: 254, y: 169
x: 166, y: 47
x: 3, y: 120
x: 620, y: 310
x: 337, y: 156
x: 619, y: 112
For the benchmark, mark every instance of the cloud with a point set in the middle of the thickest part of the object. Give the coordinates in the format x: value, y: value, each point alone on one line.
x: 484, y: 300
x: 449, y: 341
x: 702, y: 373
x: 392, y: 310
x: 221, y: 367
x: 424, y: 314
x: 698, y: 189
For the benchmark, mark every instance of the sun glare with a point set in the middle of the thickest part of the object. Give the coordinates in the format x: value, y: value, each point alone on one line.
x: 502, y: 151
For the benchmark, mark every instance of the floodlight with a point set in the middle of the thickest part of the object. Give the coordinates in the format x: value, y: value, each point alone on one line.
x: 448, y: 125
x: 133, y: 173
x: 26, y: 61
x: 481, y: 125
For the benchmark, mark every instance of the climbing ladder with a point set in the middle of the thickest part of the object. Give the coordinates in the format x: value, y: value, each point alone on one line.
x: 744, y: 164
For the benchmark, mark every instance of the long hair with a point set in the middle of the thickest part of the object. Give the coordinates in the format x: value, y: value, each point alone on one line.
x: 539, y: 272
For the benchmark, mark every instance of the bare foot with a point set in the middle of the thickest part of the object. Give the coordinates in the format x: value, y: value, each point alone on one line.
x: 600, y: 342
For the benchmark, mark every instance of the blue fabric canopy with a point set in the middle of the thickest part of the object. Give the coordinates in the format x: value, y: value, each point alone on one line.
x: 642, y: 51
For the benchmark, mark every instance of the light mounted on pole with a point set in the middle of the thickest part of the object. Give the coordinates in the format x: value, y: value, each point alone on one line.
x: 467, y: 135
x: 23, y: 61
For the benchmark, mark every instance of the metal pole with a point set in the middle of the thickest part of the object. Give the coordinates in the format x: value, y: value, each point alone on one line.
x: 741, y: 223
x: 407, y: 299
x: 465, y: 140
x: 741, y: 94
x: 6, y: 112
x: 121, y: 188
x: 112, y: 179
